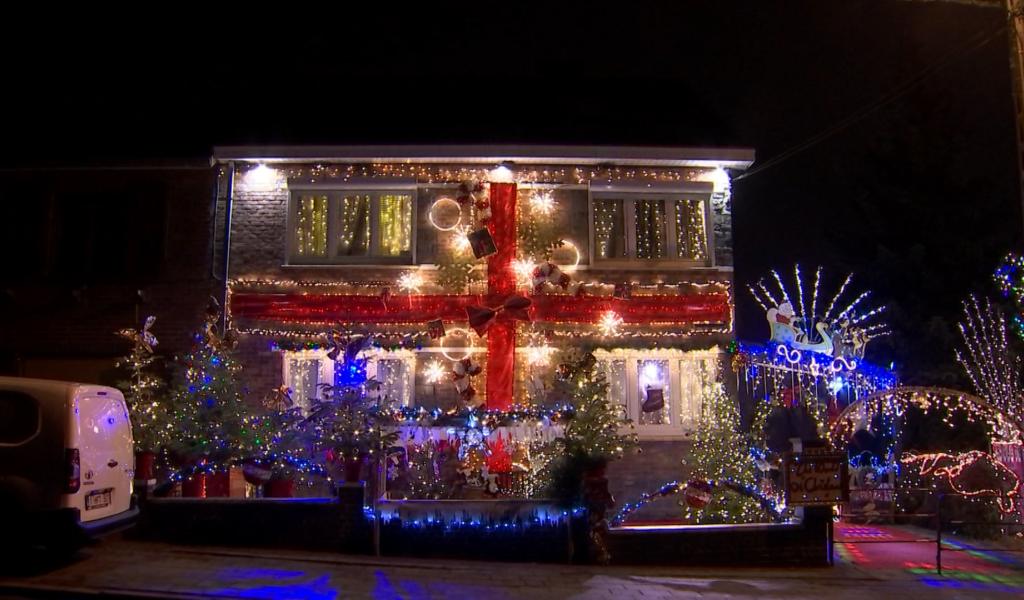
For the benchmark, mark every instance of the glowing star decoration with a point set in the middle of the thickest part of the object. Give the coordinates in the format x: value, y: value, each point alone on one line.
x: 610, y: 323
x: 434, y: 371
x: 523, y: 268
x: 542, y: 202
x: 539, y: 355
x: 410, y: 282
x: 460, y: 239
x: 839, y: 331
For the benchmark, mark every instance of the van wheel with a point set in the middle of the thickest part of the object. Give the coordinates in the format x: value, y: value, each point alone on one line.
x: 15, y: 528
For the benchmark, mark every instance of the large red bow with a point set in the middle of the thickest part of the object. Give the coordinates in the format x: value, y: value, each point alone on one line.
x: 481, y: 318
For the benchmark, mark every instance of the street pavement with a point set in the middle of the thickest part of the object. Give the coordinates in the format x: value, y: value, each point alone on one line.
x: 122, y: 568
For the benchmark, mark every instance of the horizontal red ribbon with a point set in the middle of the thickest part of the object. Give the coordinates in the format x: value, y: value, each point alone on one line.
x: 419, y: 308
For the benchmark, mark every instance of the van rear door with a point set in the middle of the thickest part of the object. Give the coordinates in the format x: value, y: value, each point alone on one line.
x: 104, y: 442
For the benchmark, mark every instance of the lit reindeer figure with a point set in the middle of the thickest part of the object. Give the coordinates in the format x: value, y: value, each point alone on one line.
x: 841, y: 328
x: 954, y: 467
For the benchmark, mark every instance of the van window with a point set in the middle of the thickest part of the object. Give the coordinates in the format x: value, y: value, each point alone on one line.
x: 19, y: 417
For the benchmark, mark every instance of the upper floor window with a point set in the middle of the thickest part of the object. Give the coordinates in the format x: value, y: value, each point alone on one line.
x: 650, y: 227
x: 351, y: 226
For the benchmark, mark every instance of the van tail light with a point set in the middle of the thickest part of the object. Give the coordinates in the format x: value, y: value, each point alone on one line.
x: 73, y: 469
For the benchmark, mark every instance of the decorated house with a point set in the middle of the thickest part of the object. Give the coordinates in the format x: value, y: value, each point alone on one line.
x: 473, y: 268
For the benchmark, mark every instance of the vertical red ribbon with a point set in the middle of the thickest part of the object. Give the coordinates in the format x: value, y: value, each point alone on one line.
x: 501, y: 282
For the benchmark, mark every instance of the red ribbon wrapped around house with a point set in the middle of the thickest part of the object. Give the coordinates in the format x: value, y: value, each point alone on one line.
x: 481, y: 318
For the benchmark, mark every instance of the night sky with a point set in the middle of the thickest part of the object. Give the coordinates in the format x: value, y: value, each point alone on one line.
x: 918, y: 194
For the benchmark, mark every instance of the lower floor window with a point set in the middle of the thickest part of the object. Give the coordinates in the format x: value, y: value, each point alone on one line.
x: 305, y: 372
x: 660, y: 390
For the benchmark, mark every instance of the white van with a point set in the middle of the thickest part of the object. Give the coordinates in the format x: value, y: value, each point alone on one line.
x: 66, y: 460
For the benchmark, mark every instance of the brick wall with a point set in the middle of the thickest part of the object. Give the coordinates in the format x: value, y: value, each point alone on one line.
x: 658, y: 463
x: 261, y: 366
x: 336, y: 524
x: 50, y: 322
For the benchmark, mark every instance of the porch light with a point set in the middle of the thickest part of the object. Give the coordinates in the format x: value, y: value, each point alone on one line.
x: 261, y: 177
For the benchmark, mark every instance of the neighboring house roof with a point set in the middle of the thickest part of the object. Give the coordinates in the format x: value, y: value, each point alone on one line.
x: 733, y: 158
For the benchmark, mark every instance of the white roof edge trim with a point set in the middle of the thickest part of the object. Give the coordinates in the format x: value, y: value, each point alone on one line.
x: 736, y: 158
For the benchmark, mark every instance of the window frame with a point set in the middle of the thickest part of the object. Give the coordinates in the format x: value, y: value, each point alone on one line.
x: 629, y: 200
x: 678, y: 427
x: 335, y: 194
x: 405, y: 356
x: 326, y: 369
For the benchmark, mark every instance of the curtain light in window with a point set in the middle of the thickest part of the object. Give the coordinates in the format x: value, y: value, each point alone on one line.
x: 395, y: 224
x: 354, y: 225
x: 311, y: 226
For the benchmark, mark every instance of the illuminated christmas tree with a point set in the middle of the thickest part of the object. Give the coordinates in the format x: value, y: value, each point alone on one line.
x: 210, y: 411
x: 722, y: 456
x: 592, y: 435
x: 143, y: 389
x: 594, y: 430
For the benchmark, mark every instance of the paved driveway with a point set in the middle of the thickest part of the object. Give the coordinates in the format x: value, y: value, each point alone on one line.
x: 125, y: 568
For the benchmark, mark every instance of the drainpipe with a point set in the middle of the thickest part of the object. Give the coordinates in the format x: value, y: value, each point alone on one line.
x: 228, y: 205
x: 214, y: 209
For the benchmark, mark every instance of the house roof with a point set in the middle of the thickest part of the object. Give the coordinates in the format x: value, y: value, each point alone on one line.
x: 733, y: 158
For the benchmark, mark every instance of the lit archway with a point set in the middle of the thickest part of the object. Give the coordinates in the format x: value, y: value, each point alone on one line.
x: 895, y: 401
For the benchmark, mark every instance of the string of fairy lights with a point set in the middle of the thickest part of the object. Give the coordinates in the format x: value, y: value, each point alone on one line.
x: 987, y: 358
x: 650, y: 227
x: 454, y: 174
x: 690, y: 229
x: 948, y: 403
x: 343, y: 287
x: 311, y: 226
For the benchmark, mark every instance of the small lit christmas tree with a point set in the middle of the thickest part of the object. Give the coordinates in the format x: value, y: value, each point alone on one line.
x: 210, y: 412
x: 594, y: 429
x: 592, y: 435
x: 143, y: 389
x: 722, y: 455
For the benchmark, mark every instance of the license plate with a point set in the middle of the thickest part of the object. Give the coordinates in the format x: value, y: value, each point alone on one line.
x: 98, y: 499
